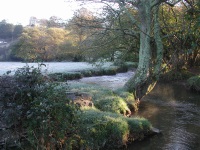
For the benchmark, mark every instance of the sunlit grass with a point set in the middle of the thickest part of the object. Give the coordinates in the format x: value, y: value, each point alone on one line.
x: 105, y: 99
x: 110, y: 130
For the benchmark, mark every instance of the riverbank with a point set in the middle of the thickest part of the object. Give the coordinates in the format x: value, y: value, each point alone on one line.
x: 34, y: 98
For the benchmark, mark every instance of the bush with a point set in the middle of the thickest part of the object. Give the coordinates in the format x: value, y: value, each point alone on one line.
x: 109, y: 130
x: 174, y: 75
x: 46, y: 115
x: 193, y: 83
x: 65, y: 76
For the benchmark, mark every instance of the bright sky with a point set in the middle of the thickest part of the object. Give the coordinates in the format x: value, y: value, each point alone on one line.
x: 20, y: 11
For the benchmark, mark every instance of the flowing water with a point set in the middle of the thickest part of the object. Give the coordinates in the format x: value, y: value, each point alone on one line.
x: 175, y: 111
x: 170, y: 108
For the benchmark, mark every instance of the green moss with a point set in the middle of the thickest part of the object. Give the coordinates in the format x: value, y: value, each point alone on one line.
x: 128, y: 98
x: 193, y: 83
x: 109, y: 130
x: 113, y: 104
x: 107, y: 100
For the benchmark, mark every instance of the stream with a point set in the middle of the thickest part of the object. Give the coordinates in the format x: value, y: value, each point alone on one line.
x: 169, y: 107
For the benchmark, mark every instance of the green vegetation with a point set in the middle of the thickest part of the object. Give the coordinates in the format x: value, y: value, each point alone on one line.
x: 120, y: 102
x: 109, y: 130
x: 42, y: 111
x: 193, y: 83
x: 48, y: 120
x: 80, y: 74
x: 128, y: 98
x: 174, y: 75
x: 147, y: 32
x: 99, y: 71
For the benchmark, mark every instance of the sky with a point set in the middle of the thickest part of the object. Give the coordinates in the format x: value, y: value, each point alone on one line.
x: 20, y: 11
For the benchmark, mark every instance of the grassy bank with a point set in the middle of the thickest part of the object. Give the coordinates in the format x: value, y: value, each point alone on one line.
x: 105, y: 130
x: 104, y: 99
x: 99, y: 71
x: 47, y: 119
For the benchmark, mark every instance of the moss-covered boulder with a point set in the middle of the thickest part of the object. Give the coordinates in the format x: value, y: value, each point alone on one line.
x: 110, y: 130
x: 113, y: 104
x: 193, y: 83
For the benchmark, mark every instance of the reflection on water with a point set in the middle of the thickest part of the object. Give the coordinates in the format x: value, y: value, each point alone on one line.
x: 176, y: 112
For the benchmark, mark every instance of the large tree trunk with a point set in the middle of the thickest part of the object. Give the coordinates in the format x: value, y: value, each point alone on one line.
x: 148, y: 69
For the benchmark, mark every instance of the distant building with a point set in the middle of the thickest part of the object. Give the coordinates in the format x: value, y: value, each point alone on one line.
x: 33, y: 21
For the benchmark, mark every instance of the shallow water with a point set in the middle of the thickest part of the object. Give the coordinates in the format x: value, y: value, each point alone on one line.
x: 176, y: 112
x: 170, y: 108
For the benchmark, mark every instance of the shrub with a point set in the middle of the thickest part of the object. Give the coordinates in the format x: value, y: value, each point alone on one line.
x: 110, y: 71
x: 174, y: 75
x: 65, y: 76
x: 46, y: 115
x: 193, y: 83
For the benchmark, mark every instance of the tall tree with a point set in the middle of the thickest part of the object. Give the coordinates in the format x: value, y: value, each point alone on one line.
x: 18, y: 29
x: 39, y: 44
x: 81, y: 26
x: 6, y: 30
x: 150, y: 57
x: 114, y: 40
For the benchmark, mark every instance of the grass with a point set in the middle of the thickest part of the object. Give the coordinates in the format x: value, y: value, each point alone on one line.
x: 99, y: 71
x: 113, y: 104
x: 106, y: 100
x: 110, y: 130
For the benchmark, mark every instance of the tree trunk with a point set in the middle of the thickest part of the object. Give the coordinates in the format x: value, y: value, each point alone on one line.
x: 147, y: 72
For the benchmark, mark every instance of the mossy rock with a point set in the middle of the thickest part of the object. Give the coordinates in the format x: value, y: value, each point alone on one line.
x: 193, y: 83
x: 113, y: 104
x: 110, y: 130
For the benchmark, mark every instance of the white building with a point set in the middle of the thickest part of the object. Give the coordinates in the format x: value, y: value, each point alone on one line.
x: 33, y: 21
